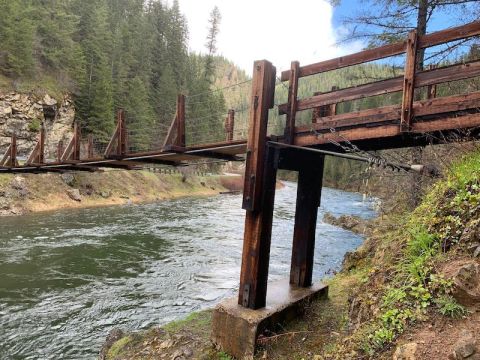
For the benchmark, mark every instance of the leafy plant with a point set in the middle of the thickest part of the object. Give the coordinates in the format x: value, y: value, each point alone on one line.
x: 448, y: 306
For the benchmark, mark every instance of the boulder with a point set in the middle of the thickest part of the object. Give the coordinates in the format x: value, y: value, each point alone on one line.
x: 18, y: 183
x: 465, y: 347
x: 466, y: 281
x: 406, y: 352
x: 74, y: 194
x: 49, y: 101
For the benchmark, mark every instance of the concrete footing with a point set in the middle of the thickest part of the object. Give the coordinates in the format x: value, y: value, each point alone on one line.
x: 235, y: 329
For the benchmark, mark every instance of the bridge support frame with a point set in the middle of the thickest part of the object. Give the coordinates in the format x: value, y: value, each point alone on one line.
x: 262, y: 164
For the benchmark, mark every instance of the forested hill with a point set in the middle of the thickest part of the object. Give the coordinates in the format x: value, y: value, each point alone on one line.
x: 107, y: 53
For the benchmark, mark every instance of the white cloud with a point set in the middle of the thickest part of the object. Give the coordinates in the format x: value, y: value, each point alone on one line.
x: 279, y: 31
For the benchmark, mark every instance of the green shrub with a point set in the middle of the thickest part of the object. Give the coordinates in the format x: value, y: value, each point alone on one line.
x: 448, y: 306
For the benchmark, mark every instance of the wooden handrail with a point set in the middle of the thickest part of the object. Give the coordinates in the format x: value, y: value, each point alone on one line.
x: 422, y: 78
x: 425, y: 41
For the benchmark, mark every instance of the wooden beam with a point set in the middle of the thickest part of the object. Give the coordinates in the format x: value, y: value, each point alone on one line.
x: 60, y: 150
x: 263, y: 87
x: 259, y: 191
x: 423, y: 78
x: 427, y: 107
x: 447, y: 35
x: 116, y: 137
x: 309, y: 190
x: 409, y: 81
x: 121, y: 134
x: 230, y: 125
x: 37, y: 156
x: 90, y: 150
x: 257, y: 240
x: 77, y: 137
x: 428, y: 40
x: 13, y: 151
x: 289, y: 132
x: 180, y: 118
x: 349, y: 60
x: 6, y: 156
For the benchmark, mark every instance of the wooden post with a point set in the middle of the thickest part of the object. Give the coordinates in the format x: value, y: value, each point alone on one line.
x: 76, y: 142
x: 326, y: 110
x: 121, y: 133
x: 292, y: 102
x: 41, y: 143
x: 13, y: 151
x: 229, y: 125
x: 431, y: 89
x: 180, y: 140
x: 409, y: 81
x: 309, y: 192
x: 90, y: 147
x: 60, y: 150
x: 259, y: 191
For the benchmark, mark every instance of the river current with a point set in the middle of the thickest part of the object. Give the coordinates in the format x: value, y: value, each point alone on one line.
x: 67, y: 278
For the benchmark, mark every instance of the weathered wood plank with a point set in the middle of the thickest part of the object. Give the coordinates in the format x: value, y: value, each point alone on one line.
x: 289, y: 132
x: 409, y: 81
x: 428, y: 40
x: 423, y: 78
x: 263, y: 87
x: 349, y: 60
x: 257, y: 240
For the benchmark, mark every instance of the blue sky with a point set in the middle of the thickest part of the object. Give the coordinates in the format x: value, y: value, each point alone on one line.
x: 280, y: 30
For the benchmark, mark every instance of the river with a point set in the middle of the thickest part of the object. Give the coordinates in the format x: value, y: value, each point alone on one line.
x: 67, y: 278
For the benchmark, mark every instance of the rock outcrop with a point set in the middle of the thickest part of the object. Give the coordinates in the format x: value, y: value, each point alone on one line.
x: 23, y: 115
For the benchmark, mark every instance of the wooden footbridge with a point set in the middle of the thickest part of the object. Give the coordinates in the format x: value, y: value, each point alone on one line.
x: 414, y: 122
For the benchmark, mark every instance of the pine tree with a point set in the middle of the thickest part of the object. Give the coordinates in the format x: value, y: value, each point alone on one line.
x: 16, y: 36
x: 211, y: 44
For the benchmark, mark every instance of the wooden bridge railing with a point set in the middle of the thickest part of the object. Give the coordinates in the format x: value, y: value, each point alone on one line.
x: 411, y: 80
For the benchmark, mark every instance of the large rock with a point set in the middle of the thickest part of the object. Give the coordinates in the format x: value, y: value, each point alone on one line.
x: 23, y: 114
x: 465, y: 347
x: 74, y: 194
x: 466, y: 280
x: 406, y: 352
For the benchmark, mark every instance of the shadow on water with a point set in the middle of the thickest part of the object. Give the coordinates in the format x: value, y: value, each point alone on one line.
x: 69, y: 277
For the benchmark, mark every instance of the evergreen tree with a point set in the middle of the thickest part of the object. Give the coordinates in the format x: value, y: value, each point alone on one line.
x: 211, y: 44
x: 16, y: 36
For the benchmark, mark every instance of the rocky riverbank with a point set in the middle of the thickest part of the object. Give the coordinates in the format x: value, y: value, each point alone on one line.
x: 21, y: 194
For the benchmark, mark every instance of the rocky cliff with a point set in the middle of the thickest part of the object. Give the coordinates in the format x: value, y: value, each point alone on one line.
x: 23, y: 115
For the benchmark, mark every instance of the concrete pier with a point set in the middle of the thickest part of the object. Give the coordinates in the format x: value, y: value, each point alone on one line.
x: 235, y: 328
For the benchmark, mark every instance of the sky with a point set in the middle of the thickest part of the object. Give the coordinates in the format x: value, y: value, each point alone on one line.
x: 276, y: 30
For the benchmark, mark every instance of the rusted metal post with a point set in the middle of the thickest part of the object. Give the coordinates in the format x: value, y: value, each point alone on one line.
x: 310, y: 178
x: 292, y: 102
x: 409, y: 81
x: 180, y: 140
x: 259, y: 191
x: 229, y: 125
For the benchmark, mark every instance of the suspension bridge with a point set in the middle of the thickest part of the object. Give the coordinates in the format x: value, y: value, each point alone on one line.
x: 422, y: 117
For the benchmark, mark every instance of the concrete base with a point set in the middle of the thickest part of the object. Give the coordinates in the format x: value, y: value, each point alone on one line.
x: 235, y: 329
